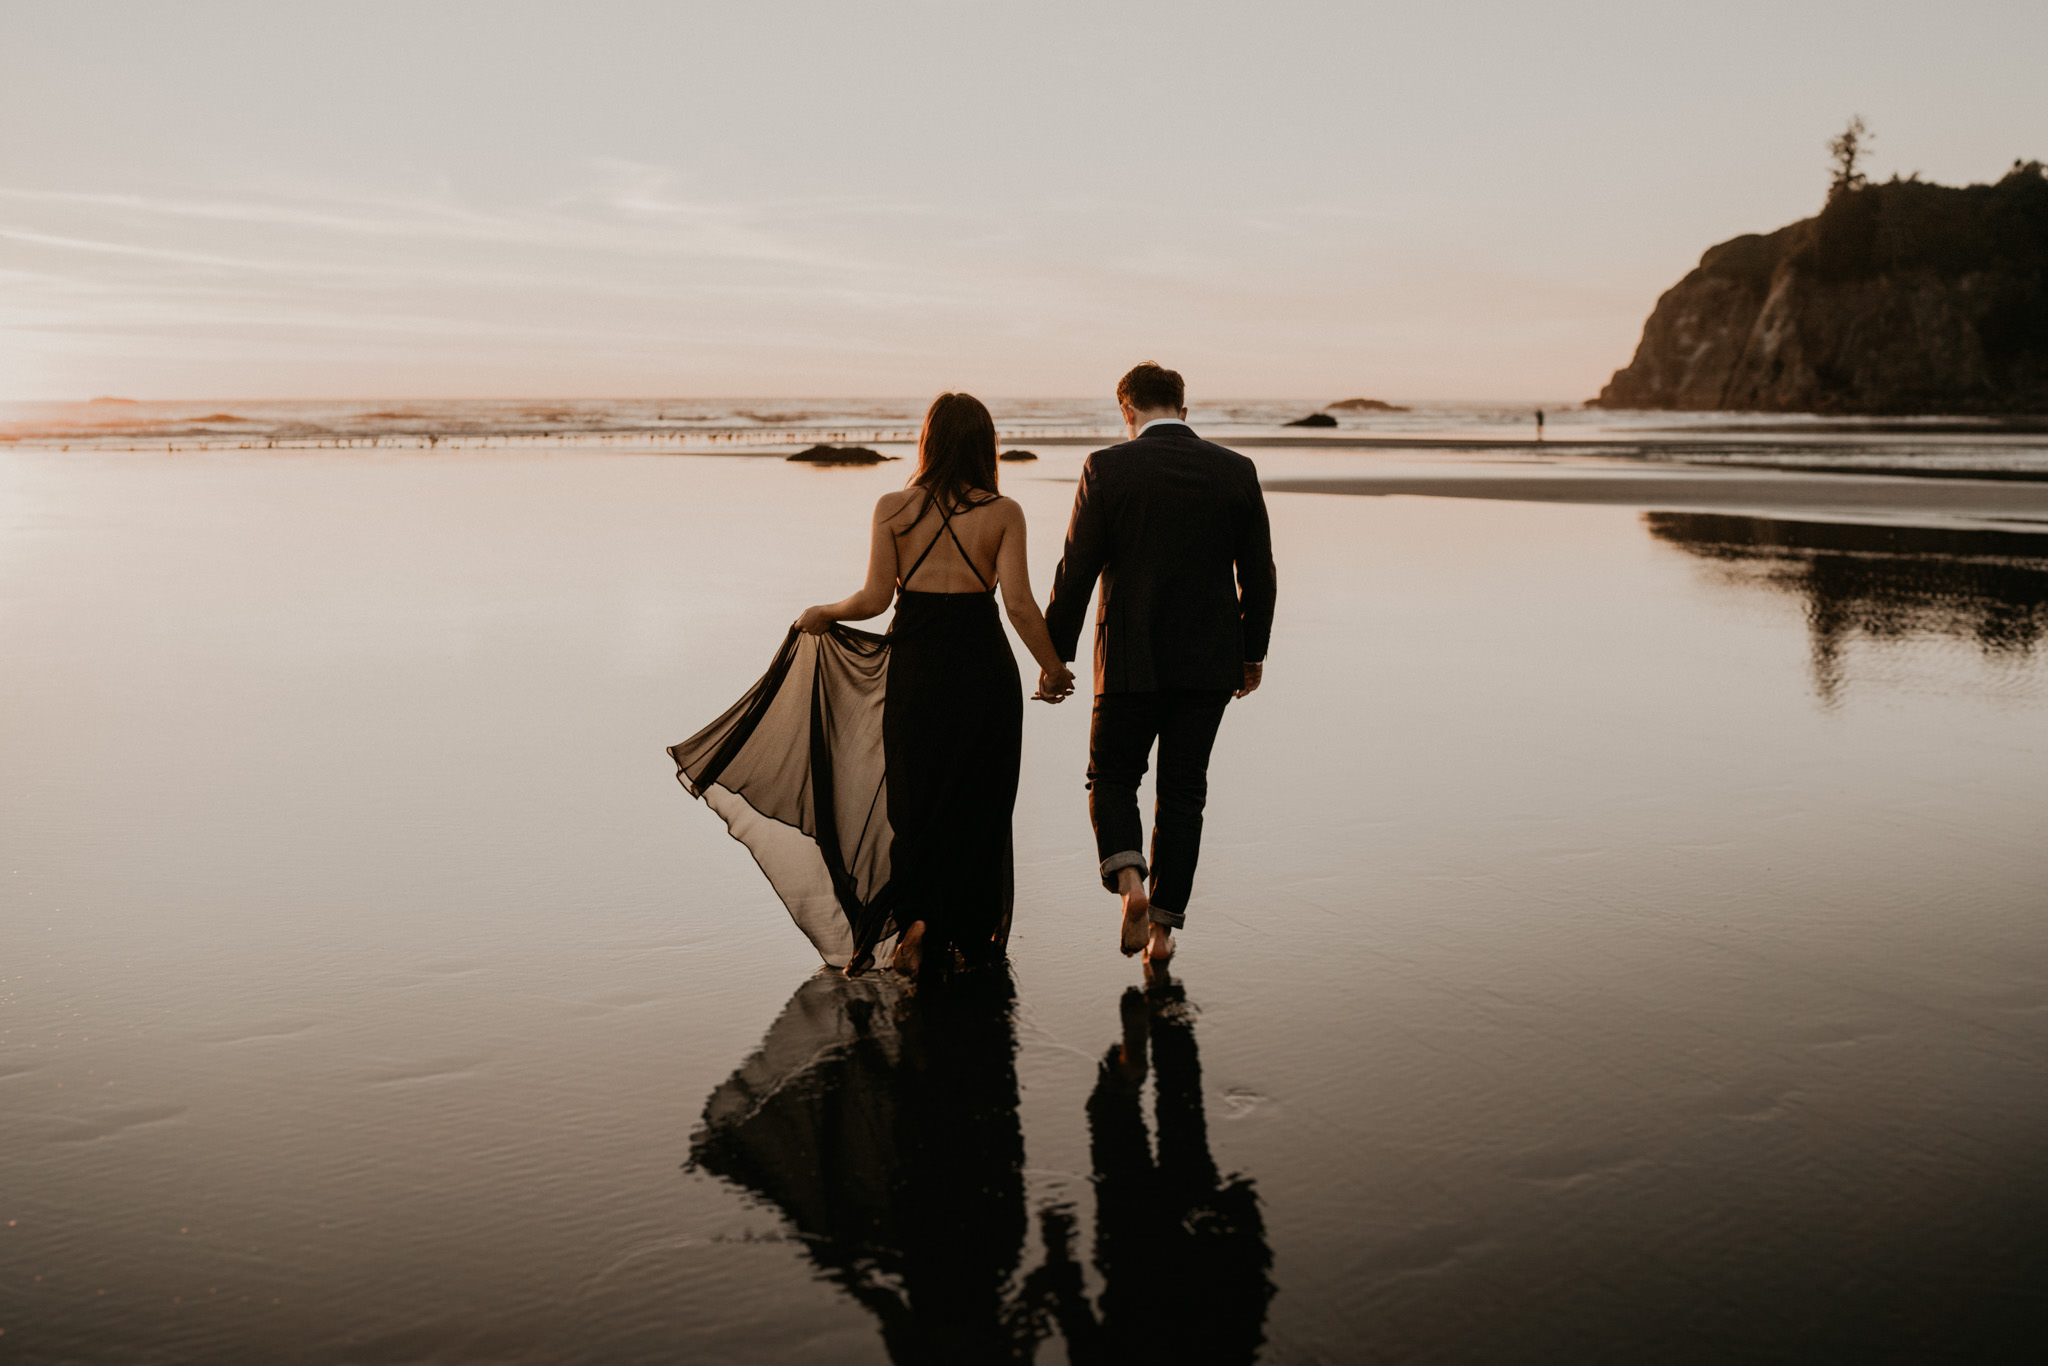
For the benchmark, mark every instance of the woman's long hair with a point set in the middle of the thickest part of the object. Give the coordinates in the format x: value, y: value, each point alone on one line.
x: 956, y: 452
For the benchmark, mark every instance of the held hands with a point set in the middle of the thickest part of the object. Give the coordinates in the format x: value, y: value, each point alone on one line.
x: 1054, y: 685
x: 1253, y: 673
x: 815, y: 621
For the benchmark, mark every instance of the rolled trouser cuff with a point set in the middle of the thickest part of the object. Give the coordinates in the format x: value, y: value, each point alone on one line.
x: 1116, y: 863
x: 1173, y: 920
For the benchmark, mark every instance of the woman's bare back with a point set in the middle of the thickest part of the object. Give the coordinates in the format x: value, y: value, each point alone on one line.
x: 915, y: 521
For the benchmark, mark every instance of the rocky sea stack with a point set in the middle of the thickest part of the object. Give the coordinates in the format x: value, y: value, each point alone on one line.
x: 1901, y: 297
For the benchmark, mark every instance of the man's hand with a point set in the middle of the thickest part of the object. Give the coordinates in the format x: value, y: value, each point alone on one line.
x: 1055, y: 685
x: 1252, y: 674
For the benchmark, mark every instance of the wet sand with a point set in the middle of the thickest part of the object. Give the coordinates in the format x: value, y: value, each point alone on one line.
x: 1618, y: 938
x: 1911, y: 499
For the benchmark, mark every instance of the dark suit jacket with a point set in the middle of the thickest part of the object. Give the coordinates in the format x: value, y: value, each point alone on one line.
x: 1163, y: 521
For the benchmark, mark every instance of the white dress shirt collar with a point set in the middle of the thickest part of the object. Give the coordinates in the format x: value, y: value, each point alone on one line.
x: 1161, y: 422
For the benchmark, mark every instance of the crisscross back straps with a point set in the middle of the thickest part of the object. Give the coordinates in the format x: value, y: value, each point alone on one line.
x: 945, y: 529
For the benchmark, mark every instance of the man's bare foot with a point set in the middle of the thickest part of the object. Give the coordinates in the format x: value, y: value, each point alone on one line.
x: 1137, y: 910
x: 1159, y: 944
x: 909, y: 950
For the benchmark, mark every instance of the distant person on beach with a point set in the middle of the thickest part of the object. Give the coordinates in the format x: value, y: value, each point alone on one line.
x: 1175, y: 528
x: 930, y: 715
x: 1539, y: 424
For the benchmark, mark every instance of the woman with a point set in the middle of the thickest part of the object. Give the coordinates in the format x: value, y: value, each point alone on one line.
x: 953, y: 712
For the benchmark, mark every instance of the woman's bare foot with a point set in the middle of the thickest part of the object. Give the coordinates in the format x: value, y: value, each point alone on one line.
x: 909, y: 950
x: 1137, y: 910
x: 1159, y: 944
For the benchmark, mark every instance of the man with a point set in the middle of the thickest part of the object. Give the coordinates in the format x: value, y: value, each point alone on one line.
x: 1175, y: 527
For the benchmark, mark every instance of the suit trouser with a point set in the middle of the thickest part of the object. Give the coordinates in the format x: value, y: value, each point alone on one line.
x: 1183, y: 721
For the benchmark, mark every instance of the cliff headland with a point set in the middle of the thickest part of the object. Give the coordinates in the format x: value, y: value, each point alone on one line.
x: 1899, y: 297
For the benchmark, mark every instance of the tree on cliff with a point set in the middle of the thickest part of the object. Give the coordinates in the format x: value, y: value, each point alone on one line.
x: 1845, y: 150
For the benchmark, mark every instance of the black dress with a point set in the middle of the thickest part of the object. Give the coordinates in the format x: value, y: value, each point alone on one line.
x: 873, y: 777
x: 952, y: 731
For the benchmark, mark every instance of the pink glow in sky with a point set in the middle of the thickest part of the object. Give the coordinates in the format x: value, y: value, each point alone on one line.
x: 484, y: 199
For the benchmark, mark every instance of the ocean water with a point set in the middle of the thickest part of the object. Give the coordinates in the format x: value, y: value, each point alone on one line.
x: 2009, y: 447
x: 1620, y: 932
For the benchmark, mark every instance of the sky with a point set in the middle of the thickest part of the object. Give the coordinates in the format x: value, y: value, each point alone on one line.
x: 440, y: 198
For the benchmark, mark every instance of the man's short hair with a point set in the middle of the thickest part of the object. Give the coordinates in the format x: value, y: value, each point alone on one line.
x: 1152, y: 385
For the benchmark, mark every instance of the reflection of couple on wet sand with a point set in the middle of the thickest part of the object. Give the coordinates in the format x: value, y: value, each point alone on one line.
x: 873, y: 777
x: 885, y: 1128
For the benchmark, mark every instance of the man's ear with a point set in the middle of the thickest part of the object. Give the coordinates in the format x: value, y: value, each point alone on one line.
x: 1183, y: 414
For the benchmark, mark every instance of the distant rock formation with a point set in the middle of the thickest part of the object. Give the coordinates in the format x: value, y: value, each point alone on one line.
x: 1312, y: 420
x: 1902, y: 297
x: 1018, y: 455
x: 841, y: 455
x: 1364, y: 405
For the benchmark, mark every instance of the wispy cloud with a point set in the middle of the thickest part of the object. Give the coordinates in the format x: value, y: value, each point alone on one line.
x: 137, y: 250
x: 630, y: 237
x: 627, y: 207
